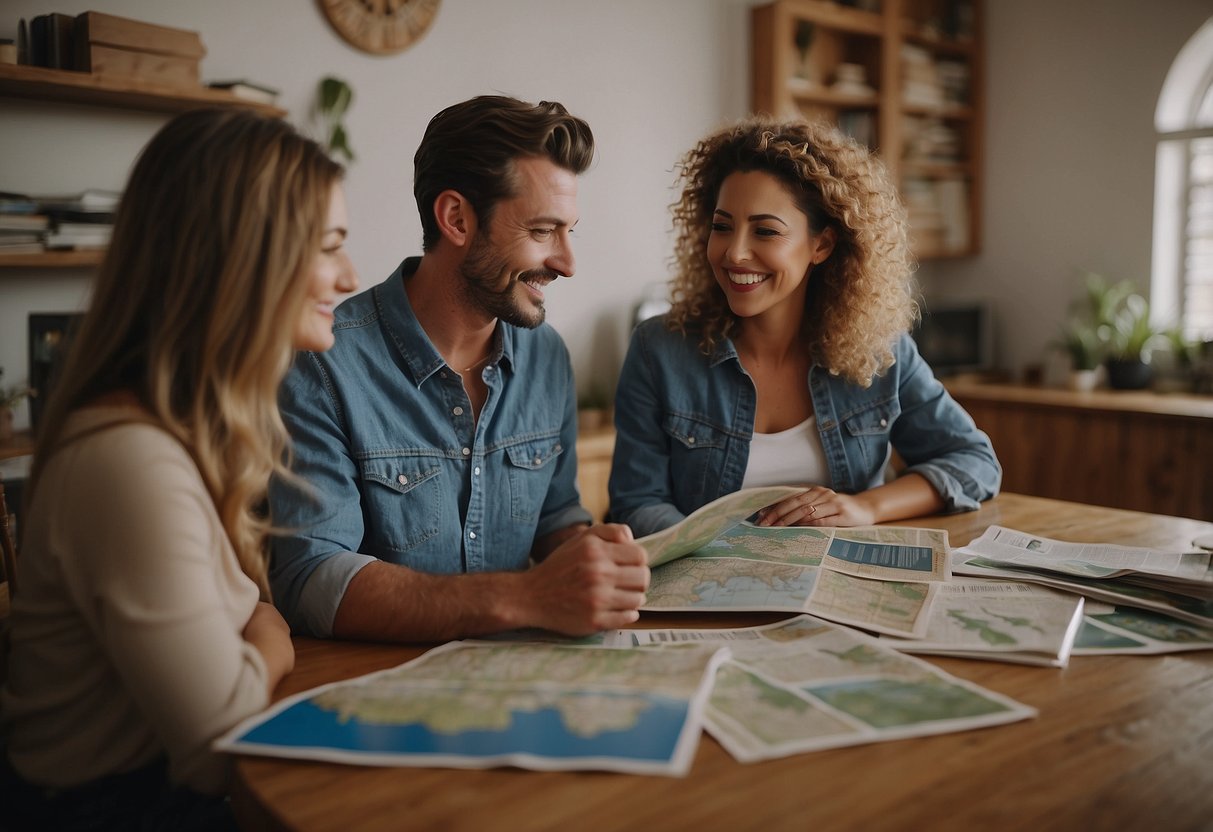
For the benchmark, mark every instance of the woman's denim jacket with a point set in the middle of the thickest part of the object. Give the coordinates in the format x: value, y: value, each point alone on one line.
x: 684, y: 422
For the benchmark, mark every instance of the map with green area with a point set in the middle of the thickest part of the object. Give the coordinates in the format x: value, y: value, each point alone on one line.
x: 474, y: 704
x: 886, y: 703
x: 780, y: 544
x: 729, y: 584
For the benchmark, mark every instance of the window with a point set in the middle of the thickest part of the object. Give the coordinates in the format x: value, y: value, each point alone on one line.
x: 1182, y: 284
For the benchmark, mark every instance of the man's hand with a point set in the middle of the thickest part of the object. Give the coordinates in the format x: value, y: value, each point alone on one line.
x: 595, y: 581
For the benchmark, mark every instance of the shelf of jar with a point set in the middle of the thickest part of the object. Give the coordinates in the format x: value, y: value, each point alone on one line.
x: 78, y: 259
x: 19, y: 81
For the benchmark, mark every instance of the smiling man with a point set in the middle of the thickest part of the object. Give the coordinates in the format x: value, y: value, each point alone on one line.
x: 435, y: 442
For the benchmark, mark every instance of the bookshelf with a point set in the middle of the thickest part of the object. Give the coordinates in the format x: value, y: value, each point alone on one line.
x: 18, y: 81
x: 59, y: 85
x: 903, y: 77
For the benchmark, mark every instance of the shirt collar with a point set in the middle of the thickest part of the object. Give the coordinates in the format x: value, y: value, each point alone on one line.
x: 401, y: 328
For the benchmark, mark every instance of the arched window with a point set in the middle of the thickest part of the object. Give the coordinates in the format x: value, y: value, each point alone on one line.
x: 1182, y: 284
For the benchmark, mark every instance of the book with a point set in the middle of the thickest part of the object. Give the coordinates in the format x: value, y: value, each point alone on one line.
x: 92, y: 200
x: 23, y: 222
x: 247, y: 90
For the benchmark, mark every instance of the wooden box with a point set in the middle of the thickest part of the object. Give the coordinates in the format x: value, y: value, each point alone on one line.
x: 117, y: 46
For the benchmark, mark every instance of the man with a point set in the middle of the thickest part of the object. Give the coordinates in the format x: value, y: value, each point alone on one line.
x: 435, y: 440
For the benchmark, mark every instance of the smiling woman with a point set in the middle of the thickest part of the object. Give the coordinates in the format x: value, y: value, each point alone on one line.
x: 786, y: 357
x: 142, y: 627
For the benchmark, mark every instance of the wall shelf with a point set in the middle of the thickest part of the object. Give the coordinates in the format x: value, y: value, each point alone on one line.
x: 82, y: 259
x: 17, y: 81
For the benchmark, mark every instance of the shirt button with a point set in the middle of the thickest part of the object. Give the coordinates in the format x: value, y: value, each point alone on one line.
x: 458, y: 411
x: 467, y: 452
x: 538, y: 460
x: 442, y: 374
x: 476, y: 470
x: 472, y: 535
x: 884, y: 423
x: 690, y: 440
x: 402, y: 479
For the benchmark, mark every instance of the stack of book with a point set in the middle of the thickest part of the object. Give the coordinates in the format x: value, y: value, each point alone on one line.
x: 80, y: 221
x: 22, y: 228
x: 104, y: 44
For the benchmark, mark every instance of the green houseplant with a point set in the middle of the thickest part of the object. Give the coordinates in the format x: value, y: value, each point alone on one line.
x: 333, y: 98
x: 1130, y: 338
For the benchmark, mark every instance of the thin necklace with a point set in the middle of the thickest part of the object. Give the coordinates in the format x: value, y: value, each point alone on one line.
x: 487, y: 356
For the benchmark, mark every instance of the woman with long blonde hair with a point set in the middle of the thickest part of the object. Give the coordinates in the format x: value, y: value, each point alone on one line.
x: 785, y: 358
x: 141, y: 626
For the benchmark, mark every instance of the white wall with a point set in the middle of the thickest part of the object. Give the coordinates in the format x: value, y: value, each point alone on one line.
x: 650, y: 76
x: 1069, y: 159
x: 1069, y: 167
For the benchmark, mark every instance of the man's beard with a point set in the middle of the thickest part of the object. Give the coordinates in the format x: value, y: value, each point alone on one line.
x: 479, y: 273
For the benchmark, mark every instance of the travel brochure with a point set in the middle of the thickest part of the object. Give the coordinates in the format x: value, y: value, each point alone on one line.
x: 879, y: 578
x: 480, y: 704
x: 1173, y: 584
x: 637, y: 700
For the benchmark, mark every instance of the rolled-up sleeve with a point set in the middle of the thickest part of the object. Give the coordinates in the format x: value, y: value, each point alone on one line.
x: 319, y: 513
x: 938, y: 439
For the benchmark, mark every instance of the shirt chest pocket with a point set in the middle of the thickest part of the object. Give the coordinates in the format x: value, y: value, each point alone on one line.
x: 867, y: 431
x: 402, y: 503
x: 696, y: 458
x: 530, y: 466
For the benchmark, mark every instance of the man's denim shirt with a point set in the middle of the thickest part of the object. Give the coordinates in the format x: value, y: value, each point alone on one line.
x: 382, y: 431
x: 685, y: 420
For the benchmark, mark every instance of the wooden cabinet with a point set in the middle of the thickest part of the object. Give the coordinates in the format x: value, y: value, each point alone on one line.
x: 103, y: 91
x: 595, y: 449
x: 1142, y: 451
x: 905, y: 79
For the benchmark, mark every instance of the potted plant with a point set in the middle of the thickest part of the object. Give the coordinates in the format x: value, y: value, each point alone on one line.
x: 333, y: 99
x: 10, y: 397
x: 1081, y: 343
x: 1130, y: 338
x: 593, y: 408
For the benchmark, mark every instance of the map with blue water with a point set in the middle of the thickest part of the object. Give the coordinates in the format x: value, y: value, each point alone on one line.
x: 479, y: 704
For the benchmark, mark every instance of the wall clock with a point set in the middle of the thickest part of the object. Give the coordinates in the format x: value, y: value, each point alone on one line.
x: 381, y: 27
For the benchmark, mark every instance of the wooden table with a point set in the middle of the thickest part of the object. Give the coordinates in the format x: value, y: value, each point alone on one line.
x: 1122, y: 742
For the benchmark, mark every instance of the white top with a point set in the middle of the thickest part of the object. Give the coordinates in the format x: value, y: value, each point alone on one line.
x: 126, y: 630
x: 791, y: 457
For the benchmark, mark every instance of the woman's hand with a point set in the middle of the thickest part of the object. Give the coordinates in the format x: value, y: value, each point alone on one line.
x: 269, y: 633
x: 819, y: 506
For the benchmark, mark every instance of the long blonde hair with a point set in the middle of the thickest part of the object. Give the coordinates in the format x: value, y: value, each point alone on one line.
x: 861, y: 298
x: 194, y: 307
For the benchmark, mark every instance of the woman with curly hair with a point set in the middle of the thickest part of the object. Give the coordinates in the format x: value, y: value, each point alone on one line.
x: 785, y: 358
x: 142, y: 627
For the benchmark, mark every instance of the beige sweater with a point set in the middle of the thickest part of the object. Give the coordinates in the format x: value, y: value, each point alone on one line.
x: 126, y: 639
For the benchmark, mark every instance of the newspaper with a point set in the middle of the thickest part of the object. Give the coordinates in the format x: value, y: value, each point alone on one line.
x: 1007, y: 621
x: 1192, y: 610
x: 880, y: 578
x: 481, y: 704
x: 1107, y: 629
x: 804, y: 684
x: 1188, y: 573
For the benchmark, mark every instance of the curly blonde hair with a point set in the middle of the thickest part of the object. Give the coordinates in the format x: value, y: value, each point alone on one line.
x: 861, y: 298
